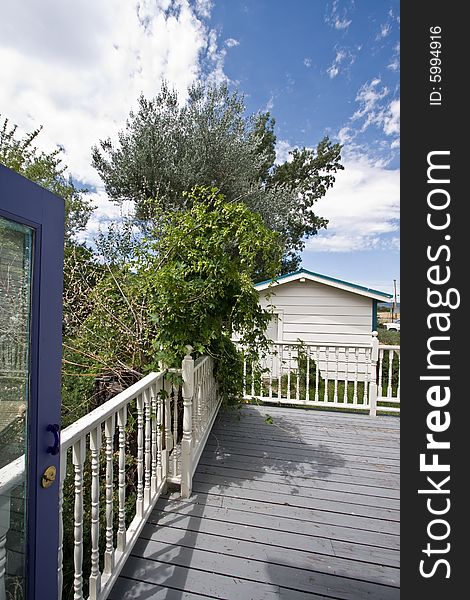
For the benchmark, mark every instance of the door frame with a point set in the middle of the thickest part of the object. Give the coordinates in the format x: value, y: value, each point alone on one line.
x: 25, y: 202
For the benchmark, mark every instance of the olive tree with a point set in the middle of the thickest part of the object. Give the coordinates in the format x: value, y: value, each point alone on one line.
x: 168, y: 147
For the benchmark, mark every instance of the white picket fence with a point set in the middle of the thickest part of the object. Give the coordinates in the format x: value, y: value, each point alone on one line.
x: 105, y: 440
x: 360, y: 377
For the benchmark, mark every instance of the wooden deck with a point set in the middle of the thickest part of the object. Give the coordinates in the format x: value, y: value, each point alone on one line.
x: 305, y: 507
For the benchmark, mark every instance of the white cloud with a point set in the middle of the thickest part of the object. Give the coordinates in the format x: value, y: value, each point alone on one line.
x: 342, y: 23
x: 203, y: 8
x: 395, y: 60
x: 307, y: 62
x: 369, y: 96
x: 343, y: 57
x: 338, y: 17
x: 384, y: 32
x: 232, y: 42
x: 78, y: 68
x: 346, y: 135
x: 106, y: 212
x: 373, y: 111
x: 391, y: 124
x: 333, y: 71
x: 335, y: 66
x: 362, y: 208
x: 269, y: 104
x: 283, y: 148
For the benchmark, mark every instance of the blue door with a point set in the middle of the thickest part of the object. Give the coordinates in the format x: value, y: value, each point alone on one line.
x: 31, y: 263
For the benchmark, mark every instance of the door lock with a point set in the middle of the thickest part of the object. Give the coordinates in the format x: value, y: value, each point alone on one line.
x: 48, y: 477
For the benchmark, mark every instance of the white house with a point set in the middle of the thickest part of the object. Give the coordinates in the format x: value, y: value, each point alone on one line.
x: 320, y: 310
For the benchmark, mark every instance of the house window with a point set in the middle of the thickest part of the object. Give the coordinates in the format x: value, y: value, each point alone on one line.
x: 273, y: 331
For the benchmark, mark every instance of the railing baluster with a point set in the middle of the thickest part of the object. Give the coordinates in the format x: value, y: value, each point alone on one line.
x: 399, y: 372
x: 207, y: 395
x: 187, y: 440
x: 307, y: 376
x: 289, y: 362
x: 154, y: 435
x: 367, y: 360
x: 78, y: 459
x: 244, y: 374
x: 95, y: 575
x: 390, y: 373
x: 327, y: 357
x: 199, y: 408
x: 271, y: 366
x: 159, y: 471
x: 356, y: 376
x: 346, y: 375
x: 109, y: 448
x: 335, y: 393
x: 379, y: 387
x: 175, y: 431
x: 253, y: 377
x: 297, y: 381
x: 196, y: 407
x: 147, y: 449
x: 139, y: 503
x: 63, y: 474
x: 372, y: 374
x: 121, y: 533
x: 317, y: 371
x: 279, y: 373
x: 168, y: 421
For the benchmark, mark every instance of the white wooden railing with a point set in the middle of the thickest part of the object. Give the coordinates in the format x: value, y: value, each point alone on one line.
x: 102, y: 443
x: 200, y: 385
x: 388, y: 376
x: 144, y: 400
x: 359, y: 377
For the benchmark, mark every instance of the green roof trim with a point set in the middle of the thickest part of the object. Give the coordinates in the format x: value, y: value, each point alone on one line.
x: 327, y: 278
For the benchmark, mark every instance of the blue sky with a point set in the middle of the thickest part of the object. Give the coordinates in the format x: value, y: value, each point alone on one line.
x: 321, y: 68
x: 328, y: 68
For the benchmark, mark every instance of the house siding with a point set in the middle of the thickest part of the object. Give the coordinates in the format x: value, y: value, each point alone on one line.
x: 318, y: 313
x: 321, y: 314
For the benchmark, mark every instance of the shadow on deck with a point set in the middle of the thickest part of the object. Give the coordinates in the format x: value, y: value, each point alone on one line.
x: 305, y: 507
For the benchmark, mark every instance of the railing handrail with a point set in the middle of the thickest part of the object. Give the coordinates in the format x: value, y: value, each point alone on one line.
x: 388, y: 347
x: 11, y: 473
x: 316, y: 344
x: 98, y: 416
x: 199, y: 362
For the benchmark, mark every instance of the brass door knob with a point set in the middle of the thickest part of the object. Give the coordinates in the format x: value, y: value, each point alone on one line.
x: 48, y: 477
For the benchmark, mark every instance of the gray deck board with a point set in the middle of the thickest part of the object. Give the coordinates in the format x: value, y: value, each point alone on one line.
x: 305, y: 507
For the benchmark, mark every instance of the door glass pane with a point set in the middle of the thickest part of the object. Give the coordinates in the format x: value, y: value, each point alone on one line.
x: 16, y: 243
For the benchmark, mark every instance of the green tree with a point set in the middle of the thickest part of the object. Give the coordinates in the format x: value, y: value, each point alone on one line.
x: 21, y: 155
x: 188, y: 282
x: 167, y: 148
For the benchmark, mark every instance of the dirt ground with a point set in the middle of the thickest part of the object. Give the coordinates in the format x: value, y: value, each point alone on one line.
x: 386, y: 317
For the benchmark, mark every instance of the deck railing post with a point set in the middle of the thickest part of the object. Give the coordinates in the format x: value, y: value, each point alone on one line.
x: 186, y: 443
x: 373, y: 375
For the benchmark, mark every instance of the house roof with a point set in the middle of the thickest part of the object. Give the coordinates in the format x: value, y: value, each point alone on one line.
x: 326, y: 280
